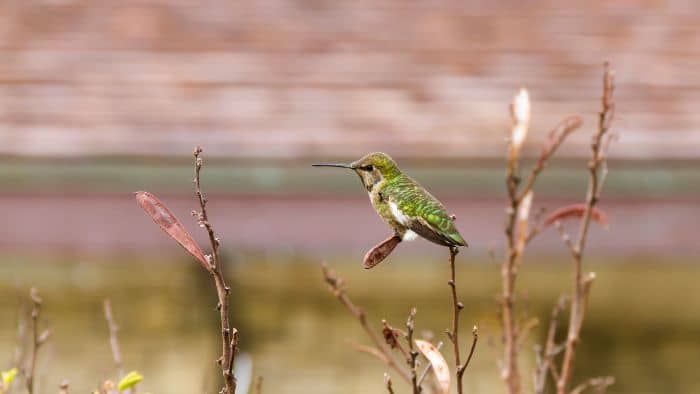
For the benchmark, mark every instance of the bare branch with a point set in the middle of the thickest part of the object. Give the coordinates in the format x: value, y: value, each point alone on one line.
x: 335, y: 284
x: 556, y: 138
x: 526, y: 330
x: 475, y: 339
x: 600, y: 384
x: 545, y: 363
x: 387, y: 382
x: 453, y: 334
x: 113, y: 340
x: 37, y: 339
x: 373, y: 351
x: 413, y: 354
x: 582, y: 284
x: 229, y: 335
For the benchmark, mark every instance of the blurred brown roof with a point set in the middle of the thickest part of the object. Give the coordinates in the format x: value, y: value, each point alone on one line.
x: 280, y: 78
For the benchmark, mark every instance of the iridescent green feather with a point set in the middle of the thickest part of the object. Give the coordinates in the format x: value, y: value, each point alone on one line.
x: 415, y: 202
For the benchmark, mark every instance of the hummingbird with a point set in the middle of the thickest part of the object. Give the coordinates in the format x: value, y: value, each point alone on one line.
x: 408, y: 209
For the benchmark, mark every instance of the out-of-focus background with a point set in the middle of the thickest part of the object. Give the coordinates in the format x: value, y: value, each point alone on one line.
x: 102, y: 98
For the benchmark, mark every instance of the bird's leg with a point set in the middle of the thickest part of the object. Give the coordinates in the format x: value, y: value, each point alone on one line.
x: 378, y: 253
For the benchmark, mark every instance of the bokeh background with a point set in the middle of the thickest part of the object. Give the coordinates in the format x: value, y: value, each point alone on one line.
x: 102, y: 98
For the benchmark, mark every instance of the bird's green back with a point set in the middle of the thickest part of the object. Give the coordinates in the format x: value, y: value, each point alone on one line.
x: 415, y: 202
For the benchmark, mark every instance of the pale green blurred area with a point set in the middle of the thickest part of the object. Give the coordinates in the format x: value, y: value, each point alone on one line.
x: 470, y: 178
x: 641, y: 324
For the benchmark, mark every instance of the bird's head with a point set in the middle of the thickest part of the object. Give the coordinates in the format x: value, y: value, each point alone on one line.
x: 371, y: 168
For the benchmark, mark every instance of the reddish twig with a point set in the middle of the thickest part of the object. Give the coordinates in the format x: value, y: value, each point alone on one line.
x: 453, y: 334
x: 582, y: 284
x: 229, y: 335
x: 475, y: 339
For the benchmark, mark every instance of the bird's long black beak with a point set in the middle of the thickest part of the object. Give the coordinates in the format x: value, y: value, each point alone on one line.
x: 333, y: 165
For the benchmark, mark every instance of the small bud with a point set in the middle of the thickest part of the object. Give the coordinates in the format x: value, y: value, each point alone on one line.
x: 521, y: 107
x: 524, y: 209
x: 520, y: 111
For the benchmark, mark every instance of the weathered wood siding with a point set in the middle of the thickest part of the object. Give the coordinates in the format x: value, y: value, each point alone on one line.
x: 281, y: 78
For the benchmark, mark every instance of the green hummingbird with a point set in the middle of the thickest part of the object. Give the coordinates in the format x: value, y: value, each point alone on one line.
x: 403, y: 204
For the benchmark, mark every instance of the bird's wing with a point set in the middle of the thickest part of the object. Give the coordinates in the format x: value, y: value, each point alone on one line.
x: 422, y: 212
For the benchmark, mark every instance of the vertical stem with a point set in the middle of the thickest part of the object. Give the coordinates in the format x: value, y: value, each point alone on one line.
x: 229, y: 335
x: 510, y: 373
x: 113, y: 340
x: 37, y: 339
x: 412, y: 353
x: 581, y: 284
x: 457, y: 307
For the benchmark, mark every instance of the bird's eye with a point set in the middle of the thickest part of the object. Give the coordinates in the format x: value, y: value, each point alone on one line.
x: 369, y: 167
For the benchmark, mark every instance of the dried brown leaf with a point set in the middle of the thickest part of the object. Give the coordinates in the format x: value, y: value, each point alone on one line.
x: 440, y: 368
x: 575, y: 211
x: 162, y: 216
x: 380, y: 252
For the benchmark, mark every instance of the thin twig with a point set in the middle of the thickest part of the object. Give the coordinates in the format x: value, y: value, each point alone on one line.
x: 413, y: 353
x: 556, y: 137
x: 528, y: 326
x: 37, y: 339
x: 336, y: 286
x: 387, y: 382
x: 545, y: 363
x: 581, y: 284
x: 229, y: 335
x: 475, y: 338
x: 457, y: 307
x: 600, y: 384
x: 113, y: 340
x: 509, y: 366
x: 372, y: 351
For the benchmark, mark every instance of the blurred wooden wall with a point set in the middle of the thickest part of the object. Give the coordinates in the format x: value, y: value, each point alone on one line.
x: 287, y: 79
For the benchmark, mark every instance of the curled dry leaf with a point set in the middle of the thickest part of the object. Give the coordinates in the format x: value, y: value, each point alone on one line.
x: 162, y: 216
x: 440, y: 368
x: 378, y: 253
x: 576, y: 211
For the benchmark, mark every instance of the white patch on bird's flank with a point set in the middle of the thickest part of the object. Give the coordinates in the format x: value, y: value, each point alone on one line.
x: 409, y: 235
x: 398, y: 215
